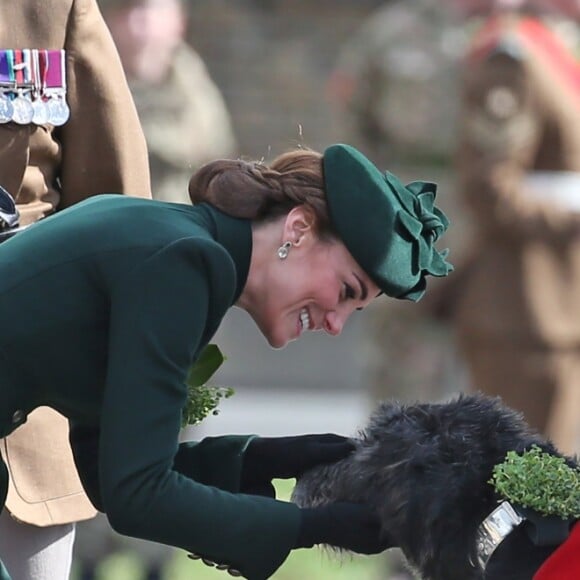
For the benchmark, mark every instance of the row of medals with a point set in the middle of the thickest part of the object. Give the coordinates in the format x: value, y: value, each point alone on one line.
x: 26, y: 107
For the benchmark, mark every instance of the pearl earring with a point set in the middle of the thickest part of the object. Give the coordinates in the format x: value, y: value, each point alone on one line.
x: 283, y: 250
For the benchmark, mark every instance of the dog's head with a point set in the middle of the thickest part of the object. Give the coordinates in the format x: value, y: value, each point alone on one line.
x: 425, y: 468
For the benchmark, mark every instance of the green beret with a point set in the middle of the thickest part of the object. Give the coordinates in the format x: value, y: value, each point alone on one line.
x: 389, y: 228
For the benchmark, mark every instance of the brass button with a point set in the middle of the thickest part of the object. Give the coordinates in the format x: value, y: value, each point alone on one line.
x: 208, y: 562
x: 233, y: 572
x: 18, y: 417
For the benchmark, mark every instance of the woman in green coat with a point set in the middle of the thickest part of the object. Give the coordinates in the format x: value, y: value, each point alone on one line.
x: 123, y: 294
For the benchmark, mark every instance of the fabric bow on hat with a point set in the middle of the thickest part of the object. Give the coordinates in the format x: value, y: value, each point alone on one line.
x: 425, y: 224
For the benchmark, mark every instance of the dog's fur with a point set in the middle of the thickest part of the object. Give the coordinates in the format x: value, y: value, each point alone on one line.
x: 425, y: 468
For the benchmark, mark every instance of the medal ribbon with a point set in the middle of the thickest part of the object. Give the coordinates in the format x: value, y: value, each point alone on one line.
x: 54, y: 71
x: 42, y: 56
x: 35, y: 82
x: 39, y: 68
x: 27, y: 70
x: 5, y: 68
x: 19, y: 67
x: 11, y: 72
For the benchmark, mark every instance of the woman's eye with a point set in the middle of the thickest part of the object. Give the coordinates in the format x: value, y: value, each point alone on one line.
x: 348, y: 292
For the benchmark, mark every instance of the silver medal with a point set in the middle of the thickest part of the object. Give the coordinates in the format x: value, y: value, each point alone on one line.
x: 40, y: 112
x: 22, y: 110
x: 6, y: 109
x: 58, y: 111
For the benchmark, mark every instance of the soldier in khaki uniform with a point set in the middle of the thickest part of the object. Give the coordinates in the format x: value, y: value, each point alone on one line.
x: 517, y: 309
x: 46, y: 168
x: 182, y: 111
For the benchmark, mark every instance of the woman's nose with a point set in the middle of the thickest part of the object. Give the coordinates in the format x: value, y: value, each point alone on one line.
x: 334, y: 323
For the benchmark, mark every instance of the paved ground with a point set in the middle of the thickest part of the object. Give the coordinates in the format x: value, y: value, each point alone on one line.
x: 285, y: 413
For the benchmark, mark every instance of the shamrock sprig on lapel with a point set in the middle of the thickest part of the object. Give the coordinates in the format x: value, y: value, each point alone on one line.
x: 201, y: 398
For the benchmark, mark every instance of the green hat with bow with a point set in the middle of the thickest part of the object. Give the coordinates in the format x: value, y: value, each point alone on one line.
x: 389, y: 228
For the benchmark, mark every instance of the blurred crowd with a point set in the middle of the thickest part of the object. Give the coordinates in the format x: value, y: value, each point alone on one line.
x: 485, y: 94
x: 481, y: 96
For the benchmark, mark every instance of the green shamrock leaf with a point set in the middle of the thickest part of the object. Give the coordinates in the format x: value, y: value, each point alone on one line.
x: 539, y: 481
x: 201, y: 398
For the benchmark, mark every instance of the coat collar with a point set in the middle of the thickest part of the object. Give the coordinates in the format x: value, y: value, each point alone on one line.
x: 235, y: 235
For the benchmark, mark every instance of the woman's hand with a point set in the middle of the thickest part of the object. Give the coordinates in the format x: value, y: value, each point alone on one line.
x: 268, y: 458
x: 350, y: 526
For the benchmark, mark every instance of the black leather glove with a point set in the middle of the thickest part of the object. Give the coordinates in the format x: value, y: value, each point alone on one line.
x: 350, y: 526
x: 267, y: 458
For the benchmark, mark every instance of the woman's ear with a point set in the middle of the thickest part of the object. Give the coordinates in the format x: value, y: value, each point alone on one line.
x: 300, y: 224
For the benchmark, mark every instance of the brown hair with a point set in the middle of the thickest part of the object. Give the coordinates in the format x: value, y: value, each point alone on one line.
x: 261, y: 192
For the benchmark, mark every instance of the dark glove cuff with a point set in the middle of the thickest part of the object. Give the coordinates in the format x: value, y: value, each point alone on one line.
x: 349, y: 526
x: 312, y: 528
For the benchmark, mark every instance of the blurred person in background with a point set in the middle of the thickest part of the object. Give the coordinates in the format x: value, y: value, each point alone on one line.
x: 182, y: 111
x: 395, y: 86
x: 515, y: 304
x: 392, y: 85
x: 186, y: 124
x: 68, y: 131
x: 508, y: 114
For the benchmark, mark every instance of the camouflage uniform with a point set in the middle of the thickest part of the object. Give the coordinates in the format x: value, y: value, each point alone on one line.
x: 396, y: 91
x: 186, y: 124
x: 395, y: 88
x: 395, y: 83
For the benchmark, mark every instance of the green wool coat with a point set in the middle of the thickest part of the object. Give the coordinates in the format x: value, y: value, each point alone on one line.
x: 113, y: 299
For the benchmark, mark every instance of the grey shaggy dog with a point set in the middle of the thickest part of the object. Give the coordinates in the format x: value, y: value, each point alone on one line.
x: 425, y: 469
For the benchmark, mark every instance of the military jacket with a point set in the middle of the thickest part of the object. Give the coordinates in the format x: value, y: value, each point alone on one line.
x: 186, y: 124
x: 132, y: 290
x: 47, y: 168
x: 520, y: 120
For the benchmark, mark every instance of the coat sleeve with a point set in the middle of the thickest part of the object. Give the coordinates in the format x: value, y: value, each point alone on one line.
x: 502, y: 127
x: 84, y: 442
x: 215, y: 461
x: 158, y: 315
x: 103, y: 145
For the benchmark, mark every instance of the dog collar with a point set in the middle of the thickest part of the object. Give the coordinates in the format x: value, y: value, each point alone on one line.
x: 494, y: 530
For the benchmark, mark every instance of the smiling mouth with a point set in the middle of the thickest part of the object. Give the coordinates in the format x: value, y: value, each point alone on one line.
x: 304, y: 319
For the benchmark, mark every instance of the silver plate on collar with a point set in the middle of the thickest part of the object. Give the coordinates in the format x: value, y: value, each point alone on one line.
x: 494, y: 529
